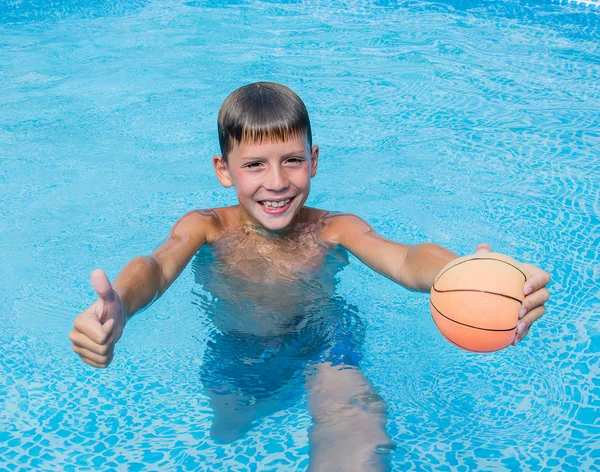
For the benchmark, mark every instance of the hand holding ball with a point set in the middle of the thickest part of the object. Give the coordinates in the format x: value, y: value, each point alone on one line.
x: 475, y: 301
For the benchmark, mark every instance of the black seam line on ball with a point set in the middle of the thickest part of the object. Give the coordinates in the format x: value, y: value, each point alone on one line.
x: 483, y: 259
x: 467, y: 325
x: 480, y: 291
x: 460, y: 345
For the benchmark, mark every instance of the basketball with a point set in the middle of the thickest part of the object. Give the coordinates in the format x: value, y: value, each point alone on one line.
x: 475, y: 301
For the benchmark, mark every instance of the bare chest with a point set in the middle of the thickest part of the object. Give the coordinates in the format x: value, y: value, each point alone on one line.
x: 271, y: 261
x: 263, y: 286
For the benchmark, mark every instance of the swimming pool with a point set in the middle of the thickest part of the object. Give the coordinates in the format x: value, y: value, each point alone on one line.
x: 456, y: 122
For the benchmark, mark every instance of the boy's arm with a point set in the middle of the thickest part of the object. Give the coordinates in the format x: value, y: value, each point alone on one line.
x: 144, y: 279
x: 414, y: 267
x: 140, y: 282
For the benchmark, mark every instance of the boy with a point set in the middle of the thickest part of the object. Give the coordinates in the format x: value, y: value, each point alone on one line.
x: 269, y: 269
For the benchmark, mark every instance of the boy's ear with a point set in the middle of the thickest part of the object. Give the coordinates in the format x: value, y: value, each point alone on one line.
x: 222, y: 171
x: 314, y: 160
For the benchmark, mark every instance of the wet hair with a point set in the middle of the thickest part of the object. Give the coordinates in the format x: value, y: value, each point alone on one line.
x: 262, y: 112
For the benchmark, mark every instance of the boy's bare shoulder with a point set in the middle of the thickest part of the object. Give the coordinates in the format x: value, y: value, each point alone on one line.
x: 311, y: 215
x: 203, y: 223
x: 335, y: 225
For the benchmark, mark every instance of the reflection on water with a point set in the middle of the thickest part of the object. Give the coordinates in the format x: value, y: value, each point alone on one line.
x: 19, y: 12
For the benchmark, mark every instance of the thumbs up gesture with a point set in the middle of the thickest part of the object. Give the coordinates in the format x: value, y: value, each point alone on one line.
x: 97, y: 329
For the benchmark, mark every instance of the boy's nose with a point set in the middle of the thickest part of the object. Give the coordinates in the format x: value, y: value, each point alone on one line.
x: 277, y: 180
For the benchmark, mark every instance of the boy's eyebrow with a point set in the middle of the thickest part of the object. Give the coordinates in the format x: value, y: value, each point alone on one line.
x: 287, y: 154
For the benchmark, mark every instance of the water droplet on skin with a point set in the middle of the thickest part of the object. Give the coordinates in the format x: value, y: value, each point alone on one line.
x: 385, y: 448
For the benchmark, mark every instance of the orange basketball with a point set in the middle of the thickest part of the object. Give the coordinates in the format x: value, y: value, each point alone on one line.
x: 475, y: 301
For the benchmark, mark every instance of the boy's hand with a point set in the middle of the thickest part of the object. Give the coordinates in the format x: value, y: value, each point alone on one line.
x: 536, y: 294
x: 97, y: 329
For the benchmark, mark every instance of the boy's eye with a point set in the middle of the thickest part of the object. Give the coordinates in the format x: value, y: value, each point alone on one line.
x: 295, y: 160
x: 252, y: 165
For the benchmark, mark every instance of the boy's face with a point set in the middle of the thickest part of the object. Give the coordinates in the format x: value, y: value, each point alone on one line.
x: 272, y: 180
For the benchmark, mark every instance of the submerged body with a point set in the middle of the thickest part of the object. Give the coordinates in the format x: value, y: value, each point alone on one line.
x: 263, y: 283
x: 276, y: 320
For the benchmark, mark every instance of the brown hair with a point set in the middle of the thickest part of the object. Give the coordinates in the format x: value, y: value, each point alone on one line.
x: 262, y: 112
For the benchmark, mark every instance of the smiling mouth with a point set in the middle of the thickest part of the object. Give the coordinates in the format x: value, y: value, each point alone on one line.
x: 274, y: 207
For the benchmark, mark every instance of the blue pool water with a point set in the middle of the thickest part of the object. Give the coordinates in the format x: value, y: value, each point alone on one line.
x: 456, y: 122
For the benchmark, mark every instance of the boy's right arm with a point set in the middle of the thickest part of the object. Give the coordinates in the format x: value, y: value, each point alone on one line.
x: 143, y: 280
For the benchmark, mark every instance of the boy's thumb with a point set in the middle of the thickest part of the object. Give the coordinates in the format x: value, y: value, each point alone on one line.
x: 483, y: 248
x: 102, y: 285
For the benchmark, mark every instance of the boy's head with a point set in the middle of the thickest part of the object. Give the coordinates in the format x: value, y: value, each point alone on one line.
x: 262, y: 112
x: 267, y: 153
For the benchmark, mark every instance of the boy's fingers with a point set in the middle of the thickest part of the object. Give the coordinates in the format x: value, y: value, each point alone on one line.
x: 519, y: 337
x: 100, y: 365
x: 102, y: 285
x: 483, y: 248
x: 533, y: 315
x: 82, y: 341
x: 525, y: 324
x: 534, y: 300
x: 109, y: 326
x: 539, y: 279
x: 92, y: 356
x: 88, y: 324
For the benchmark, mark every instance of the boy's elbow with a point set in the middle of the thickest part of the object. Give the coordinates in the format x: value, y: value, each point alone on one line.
x: 158, y: 273
x: 152, y: 271
x: 424, y: 262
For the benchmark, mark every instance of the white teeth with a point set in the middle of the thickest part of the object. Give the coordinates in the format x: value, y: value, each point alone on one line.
x: 277, y: 204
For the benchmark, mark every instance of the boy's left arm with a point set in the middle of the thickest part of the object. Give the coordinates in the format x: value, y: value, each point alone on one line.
x: 415, y: 267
